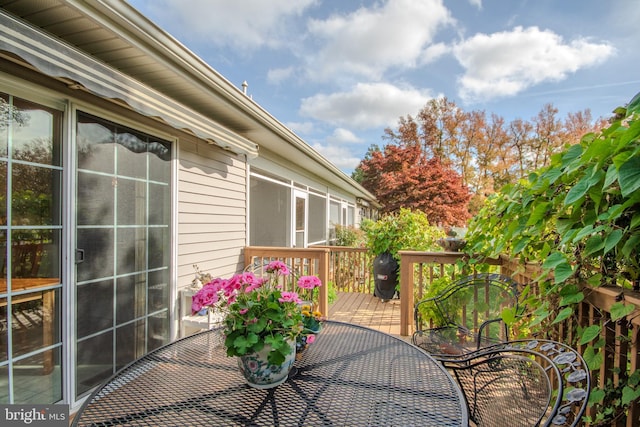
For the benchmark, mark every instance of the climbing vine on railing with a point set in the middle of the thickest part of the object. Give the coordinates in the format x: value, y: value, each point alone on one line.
x: 579, y: 218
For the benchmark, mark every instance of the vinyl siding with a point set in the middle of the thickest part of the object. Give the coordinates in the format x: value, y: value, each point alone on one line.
x: 212, y: 203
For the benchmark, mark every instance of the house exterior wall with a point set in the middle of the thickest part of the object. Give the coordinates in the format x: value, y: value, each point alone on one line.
x: 204, y: 211
x: 212, y: 217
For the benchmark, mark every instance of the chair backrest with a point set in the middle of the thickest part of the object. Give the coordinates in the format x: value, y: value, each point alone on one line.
x: 524, y: 382
x: 470, y: 303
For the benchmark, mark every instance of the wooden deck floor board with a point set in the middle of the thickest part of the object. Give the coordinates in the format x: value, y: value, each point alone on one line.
x: 367, y: 310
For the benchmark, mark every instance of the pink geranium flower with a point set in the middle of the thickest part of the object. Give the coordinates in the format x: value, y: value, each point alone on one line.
x: 289, y: 297
x: 278, y: 268
x: 309, y: 282
x: 247, y: 300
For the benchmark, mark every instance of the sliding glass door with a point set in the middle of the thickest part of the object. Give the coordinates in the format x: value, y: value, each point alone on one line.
x: 30, y: 248
x: 123, y: 207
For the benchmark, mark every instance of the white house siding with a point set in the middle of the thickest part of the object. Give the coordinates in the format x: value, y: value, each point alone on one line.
x: 211, y: 210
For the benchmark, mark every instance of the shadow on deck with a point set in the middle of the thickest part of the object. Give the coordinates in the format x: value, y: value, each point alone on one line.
x: 367, y: 310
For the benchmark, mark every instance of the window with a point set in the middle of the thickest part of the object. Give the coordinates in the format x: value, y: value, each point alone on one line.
x: 270, y: 213
x: 317, y: 219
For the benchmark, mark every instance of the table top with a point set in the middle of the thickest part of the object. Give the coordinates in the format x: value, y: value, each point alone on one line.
x: 350, y: 376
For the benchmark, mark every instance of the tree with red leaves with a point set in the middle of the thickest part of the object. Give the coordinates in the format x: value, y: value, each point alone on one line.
x: 402, y: 176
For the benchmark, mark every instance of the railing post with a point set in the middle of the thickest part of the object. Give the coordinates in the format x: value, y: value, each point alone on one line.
x: 634, y: 408
x: 406, y: 296
x: 323, y: 275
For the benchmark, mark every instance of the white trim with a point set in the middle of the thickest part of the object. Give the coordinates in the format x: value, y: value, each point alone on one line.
x: 173, y: 263
x: 298, y: 193
x: 69, y: 248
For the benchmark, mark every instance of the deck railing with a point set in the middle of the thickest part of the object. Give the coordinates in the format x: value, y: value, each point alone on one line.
x: 621, y: 350
x: 345, y: 269
x: 350, y: 270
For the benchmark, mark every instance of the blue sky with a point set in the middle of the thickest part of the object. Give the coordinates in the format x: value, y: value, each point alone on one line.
x: 337, y: 72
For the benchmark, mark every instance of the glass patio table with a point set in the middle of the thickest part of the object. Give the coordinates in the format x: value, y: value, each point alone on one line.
x: 350, y: 376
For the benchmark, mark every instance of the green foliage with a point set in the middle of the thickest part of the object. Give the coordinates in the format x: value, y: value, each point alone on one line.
x: 404, y: 230
x: 579, y: 218
x: 349, y: 236
x: 431, y: 312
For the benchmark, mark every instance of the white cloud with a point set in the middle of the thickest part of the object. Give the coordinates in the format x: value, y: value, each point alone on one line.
x: 371, y: 40
x: 245, y: 24
x: 343, y: 135
x: 367, y: 106
x: 301, y: 127
x: 506, y: 63
x: 339, y: 155
x: 278, y: 75
x: 433, y: 52
x: 476, y: 3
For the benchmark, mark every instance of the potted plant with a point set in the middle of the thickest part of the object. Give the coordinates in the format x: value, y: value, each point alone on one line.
x: 402, y: 230
x: 262, y: 321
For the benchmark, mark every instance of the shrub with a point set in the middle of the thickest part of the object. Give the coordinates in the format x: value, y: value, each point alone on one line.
x: 403, y: 230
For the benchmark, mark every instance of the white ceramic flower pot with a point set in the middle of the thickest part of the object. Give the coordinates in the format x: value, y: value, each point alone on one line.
x: 260, y: 374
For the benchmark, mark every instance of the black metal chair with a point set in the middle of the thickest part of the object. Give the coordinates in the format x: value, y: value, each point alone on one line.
x: 523, y: 383
x: 466, y: 316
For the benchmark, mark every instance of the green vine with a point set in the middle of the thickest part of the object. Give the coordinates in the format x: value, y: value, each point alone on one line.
x: 579, y: 219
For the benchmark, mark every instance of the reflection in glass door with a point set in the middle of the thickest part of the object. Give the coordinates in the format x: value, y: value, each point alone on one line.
x: 123, y: 208
x: 300, y: 219
x: 30, y: 230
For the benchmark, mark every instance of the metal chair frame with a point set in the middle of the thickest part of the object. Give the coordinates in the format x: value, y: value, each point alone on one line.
x: 546, y: 373
x: 455, y: 337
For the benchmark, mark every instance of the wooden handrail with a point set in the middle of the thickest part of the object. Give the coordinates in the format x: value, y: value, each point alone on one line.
x: 621, y: 353
x: 293, y: 257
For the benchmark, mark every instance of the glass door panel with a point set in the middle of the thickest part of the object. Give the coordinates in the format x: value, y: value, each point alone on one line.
x: 123, y: 241
x: 30, y: 250
x: 300, y: 219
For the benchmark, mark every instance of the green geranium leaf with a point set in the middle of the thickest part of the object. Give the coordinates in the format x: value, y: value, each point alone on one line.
x: 589, y: 334
x: 242, y: 343
x: 619, y: 310
x: 564, y: 314
x: 629, y: 176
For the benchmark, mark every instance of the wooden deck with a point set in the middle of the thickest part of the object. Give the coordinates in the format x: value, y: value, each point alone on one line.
x: 366, y: 310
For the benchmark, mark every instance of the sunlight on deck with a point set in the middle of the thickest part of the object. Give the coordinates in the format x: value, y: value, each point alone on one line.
x: 366, y: 310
